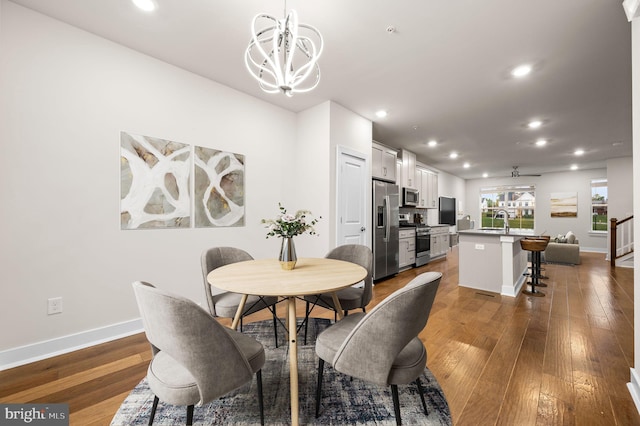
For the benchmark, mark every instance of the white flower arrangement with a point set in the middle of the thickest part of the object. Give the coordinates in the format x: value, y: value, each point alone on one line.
x: 286, y: 225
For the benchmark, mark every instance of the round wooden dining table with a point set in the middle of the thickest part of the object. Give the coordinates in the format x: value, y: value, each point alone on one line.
x: 265, y: 277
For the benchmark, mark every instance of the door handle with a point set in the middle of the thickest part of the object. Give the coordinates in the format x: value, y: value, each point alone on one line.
x: 363, y: 229
x: 387, y: 216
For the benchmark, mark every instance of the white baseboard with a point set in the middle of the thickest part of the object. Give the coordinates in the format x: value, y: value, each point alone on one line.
x: 514, y: 290
x: 594, y: 250
x: 21, y: 355
x: 634, y: 388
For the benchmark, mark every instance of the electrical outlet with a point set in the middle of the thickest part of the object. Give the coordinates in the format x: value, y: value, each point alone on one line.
x: 54, y: 305
x: 479, y: 246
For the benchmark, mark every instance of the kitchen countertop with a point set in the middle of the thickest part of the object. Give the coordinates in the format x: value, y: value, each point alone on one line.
x: 516, y: 232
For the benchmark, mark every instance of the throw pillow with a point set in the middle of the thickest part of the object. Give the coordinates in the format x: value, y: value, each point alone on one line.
x: 560, y: 239
x: 571, y: 237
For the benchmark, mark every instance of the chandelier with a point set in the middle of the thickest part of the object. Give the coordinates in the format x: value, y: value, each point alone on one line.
x: 283, y: 54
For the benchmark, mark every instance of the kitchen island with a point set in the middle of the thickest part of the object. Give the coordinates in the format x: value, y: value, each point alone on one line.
x: 491, y: 259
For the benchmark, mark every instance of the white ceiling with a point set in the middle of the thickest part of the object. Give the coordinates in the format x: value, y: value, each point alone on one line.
x: 443, y: 74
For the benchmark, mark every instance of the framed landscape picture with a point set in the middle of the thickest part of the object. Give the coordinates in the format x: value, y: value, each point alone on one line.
x: 564, y: 204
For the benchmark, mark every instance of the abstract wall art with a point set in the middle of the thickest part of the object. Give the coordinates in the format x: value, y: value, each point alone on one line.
x: 154, y: 183
x: 564, y: 204
x: 218, y: 188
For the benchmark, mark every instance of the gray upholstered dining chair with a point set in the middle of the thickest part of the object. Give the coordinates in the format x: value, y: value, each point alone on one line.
x: 225, y: 303
x: 352, y: 297
x: 383, y: 346
x: 195, y: 359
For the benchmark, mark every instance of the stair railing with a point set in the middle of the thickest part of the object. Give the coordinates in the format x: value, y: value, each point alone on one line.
x: 621, y: 238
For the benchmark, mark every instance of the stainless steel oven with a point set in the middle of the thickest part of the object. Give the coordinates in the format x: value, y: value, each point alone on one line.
x: 423, y: 245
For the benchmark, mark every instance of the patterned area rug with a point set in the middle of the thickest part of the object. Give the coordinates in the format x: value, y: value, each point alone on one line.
x: 344, y: 400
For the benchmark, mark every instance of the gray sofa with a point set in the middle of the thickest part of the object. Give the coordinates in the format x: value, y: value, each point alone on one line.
x: 563, y: 249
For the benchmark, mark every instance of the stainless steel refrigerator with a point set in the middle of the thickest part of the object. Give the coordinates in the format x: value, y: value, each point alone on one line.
x: 386, y: 200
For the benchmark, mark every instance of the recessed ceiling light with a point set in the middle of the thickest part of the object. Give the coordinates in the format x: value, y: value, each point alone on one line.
x: 574, y: 167
x: 521, y: 71
x: 432, y: 143
x: 534, y: 124
x: 484, y: 175
x: 381, y: 114
x: 453, y: 155
x: 146, y: 5
x: 466, y: 165
x: 617, y: 143
x: 579, y: 151
x: 541, y: 142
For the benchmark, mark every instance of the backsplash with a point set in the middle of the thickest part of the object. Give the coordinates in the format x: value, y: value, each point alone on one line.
x: 412, y: 211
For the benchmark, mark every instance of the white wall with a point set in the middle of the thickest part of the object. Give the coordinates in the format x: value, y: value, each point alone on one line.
x: 634, y: 385
x: 320, y: 130
x: 620, y: 191
x: 66, y: 95
x: 619, y: 175
x: 310, y: 177
x: 578, y: 181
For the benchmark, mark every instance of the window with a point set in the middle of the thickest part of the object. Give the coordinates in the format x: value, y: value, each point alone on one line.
x: 599, y: 200
x: 517, y: 202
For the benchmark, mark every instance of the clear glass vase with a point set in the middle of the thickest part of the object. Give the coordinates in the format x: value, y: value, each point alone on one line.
x: 288, y: 255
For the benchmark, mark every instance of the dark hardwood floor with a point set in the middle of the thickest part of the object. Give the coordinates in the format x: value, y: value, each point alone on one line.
x: 559, y: 359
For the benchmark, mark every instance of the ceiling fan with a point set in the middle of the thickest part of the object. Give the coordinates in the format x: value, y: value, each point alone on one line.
x: 516, y: 173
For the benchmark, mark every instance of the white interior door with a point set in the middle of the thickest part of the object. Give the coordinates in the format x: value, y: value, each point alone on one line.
x: 353, y: 190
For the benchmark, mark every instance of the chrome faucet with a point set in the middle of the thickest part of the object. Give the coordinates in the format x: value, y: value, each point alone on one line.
x: 506, y: 219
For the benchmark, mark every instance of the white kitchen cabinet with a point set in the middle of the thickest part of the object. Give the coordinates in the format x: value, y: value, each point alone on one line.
x: 432, y: 193
x: 428, y: 187
x: 453, y: 239
x: 439, y: 241
x: 383, y: 162
x: 422, y: 178
x: 409, y: 169
x: 407, y: 253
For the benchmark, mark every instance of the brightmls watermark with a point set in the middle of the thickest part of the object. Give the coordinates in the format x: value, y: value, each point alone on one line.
x: 34, y: 414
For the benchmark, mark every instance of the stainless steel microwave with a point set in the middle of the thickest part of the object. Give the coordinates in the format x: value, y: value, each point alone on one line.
x: 410, y: 197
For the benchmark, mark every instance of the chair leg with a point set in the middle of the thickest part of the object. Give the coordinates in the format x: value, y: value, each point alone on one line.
x: 306, y: 321
x: 260, y: 399
x: 153, y: 409
x: 241, y: 323
x: 189, y: 415
x: 421, y: 392
x: 396, y: 403
x: 319, y: 387
x: 275, y: 326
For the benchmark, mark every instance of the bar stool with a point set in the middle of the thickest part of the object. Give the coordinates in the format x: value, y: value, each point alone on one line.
x: 535, y: 246
x: 536, y: 267
x: 540, y: 276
